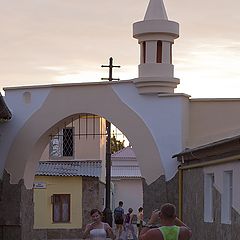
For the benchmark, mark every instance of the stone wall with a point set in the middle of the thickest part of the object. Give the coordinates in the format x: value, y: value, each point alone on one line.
x: 193, y: 210
x: 16, y: 210
x: 158, y: 193
x: 93, y: 197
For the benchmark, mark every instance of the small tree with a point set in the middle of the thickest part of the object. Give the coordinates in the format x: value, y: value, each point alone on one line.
x: 116, y: 145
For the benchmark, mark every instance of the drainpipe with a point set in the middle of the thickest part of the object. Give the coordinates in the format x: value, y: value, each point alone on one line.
x: 180, y: 192
x: 181, y: 168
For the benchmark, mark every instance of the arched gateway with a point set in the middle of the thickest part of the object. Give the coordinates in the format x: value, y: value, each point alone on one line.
x: 145, y: 109
x: 158, y: 123
x: 154, y: 124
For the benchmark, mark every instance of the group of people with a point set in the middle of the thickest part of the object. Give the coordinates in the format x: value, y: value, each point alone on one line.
x: 171, y: 227
x: 124, y: 224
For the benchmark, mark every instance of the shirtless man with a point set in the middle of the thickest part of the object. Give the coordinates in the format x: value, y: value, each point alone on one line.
x: 171, y: 227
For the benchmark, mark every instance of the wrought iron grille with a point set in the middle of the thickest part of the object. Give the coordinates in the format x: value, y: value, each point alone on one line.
x: 62, y: 145
x: 68, y: 142
x: 84, y: 126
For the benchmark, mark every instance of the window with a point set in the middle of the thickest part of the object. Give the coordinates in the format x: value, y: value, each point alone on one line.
x: 61, y: 208
x: 208, y: 197
x: 68, y: 142
x: 143, y: 60
x: 227, y: 195
x: 62, y: 144
x: 171, y: 53
x: 159, y: 51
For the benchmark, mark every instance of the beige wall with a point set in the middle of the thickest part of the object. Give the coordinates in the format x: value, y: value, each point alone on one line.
x: 212, y: 120
x: 86, y: 147
x: 43, y: 206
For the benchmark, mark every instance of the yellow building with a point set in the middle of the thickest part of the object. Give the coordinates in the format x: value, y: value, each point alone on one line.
x: 69, y: 181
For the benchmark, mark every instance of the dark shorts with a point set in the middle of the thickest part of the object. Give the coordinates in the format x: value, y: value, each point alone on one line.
x: 118, y: 221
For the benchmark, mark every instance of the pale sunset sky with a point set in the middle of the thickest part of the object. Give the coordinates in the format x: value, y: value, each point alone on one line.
x: 58, y: 41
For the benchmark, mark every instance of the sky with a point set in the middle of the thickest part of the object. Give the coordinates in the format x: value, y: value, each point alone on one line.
x: 65, y: 41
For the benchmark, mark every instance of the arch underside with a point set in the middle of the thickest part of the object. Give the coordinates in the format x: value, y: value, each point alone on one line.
x: 61, y: 103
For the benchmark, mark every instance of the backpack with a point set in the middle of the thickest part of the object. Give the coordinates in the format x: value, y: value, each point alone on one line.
x: 118, y: 214
x: 127, y: 219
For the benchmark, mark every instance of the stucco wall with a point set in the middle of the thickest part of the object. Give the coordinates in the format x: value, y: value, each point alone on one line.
x: 130, y: 191
x: 212, y: 120
x: 218, y: 172
x: 193, y: 210
x: 119, y: 102
x: 43, y: 206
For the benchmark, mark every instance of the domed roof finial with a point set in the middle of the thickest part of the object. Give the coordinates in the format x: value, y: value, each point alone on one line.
x: 156, y: 11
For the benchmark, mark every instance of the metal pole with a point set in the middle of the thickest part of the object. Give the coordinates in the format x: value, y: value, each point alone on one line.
x: 107, y: 213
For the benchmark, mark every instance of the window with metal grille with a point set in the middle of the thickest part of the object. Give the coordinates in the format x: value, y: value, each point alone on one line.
x: 68, y: 142
x: 62, y: 144
x: 61, y: 208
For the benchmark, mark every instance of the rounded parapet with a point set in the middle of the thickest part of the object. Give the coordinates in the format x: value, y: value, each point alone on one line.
x: 155, y: 26
x: 156, y: 85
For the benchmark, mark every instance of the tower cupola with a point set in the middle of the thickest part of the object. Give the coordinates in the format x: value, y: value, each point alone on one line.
x: 156, y: 35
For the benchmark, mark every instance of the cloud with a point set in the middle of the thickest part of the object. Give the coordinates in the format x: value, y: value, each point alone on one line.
x: 46, y: 41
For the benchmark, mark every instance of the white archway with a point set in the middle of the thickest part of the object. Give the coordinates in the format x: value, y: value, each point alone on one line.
x: 144, y: 119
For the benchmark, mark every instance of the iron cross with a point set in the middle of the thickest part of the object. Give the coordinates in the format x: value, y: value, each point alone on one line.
x: 110, y: 66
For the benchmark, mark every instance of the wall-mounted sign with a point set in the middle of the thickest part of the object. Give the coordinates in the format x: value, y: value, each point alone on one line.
x: 39, y: 185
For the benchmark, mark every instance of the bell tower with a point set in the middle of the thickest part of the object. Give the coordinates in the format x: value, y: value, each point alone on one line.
x: 156, y: 35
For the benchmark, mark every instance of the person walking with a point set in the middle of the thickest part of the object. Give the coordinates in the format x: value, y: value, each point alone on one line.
x: 140, y: 220
x: 98, y: 230
x: 119, y: 219
x: 172, y: 228
x: 129, y: 224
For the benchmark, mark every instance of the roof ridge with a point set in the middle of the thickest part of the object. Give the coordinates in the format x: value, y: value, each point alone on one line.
x: 69, y: 161
x: 121, y: 150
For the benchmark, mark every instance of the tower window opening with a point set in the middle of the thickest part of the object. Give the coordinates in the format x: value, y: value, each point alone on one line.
x: 171, y: 53
x: 144, y: 52
x: 159, y: 51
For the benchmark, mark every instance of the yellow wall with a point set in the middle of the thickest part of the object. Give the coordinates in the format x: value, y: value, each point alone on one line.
x: 43, y: 206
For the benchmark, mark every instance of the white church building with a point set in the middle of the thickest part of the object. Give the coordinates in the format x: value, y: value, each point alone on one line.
x: 127, y: 180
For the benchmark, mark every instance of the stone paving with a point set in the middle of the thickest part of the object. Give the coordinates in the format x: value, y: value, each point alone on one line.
x: 129, y: 237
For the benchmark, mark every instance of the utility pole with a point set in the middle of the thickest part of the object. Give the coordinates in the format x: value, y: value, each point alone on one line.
x: 107, y: 211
